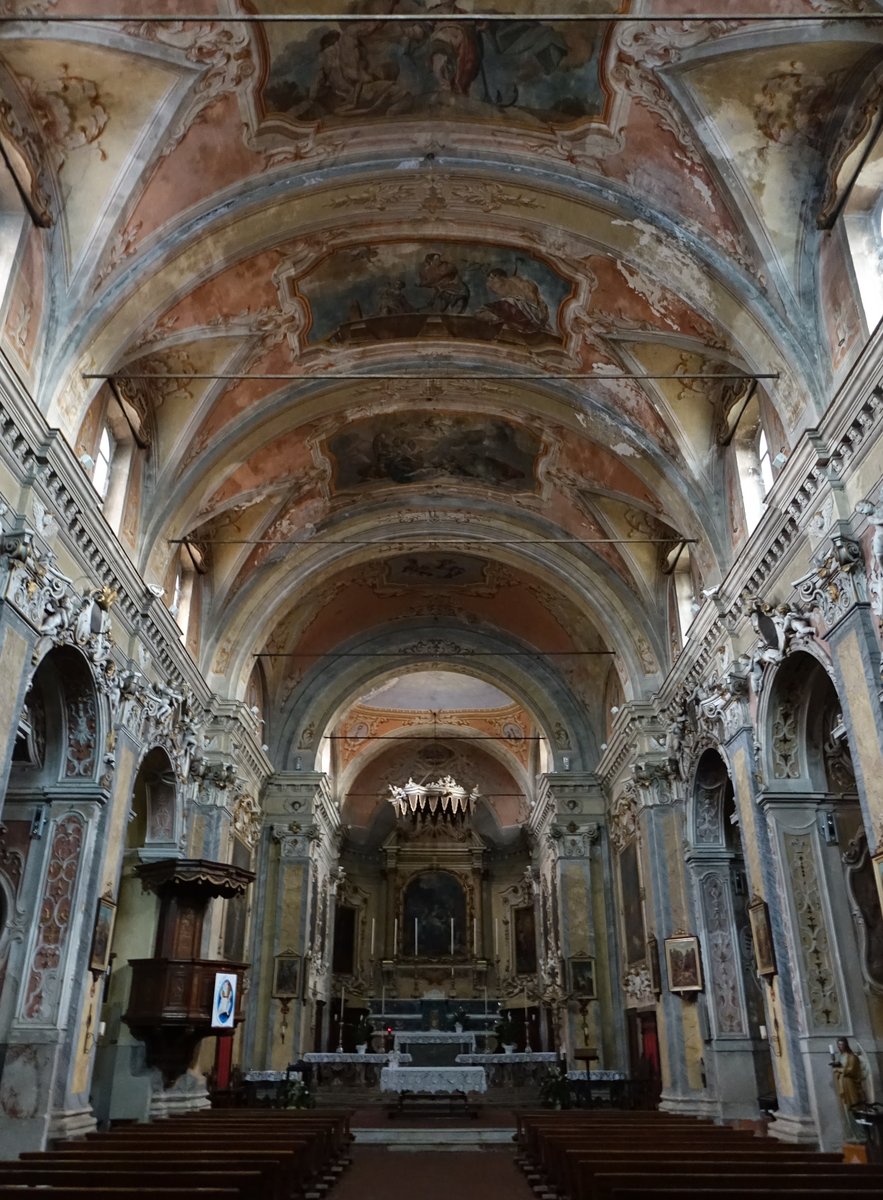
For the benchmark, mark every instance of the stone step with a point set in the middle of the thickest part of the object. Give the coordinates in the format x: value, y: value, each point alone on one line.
x: 436, y: 1139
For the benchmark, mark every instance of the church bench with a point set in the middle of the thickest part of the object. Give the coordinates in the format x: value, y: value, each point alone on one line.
x: 577, y: 1181
x: 555, y: 1156
x: 248, y: 1185
x: 279, y: 1168
x: 89, y: 1192
x: 822, y: 1192
x: 332, y: 1132
x: 304, y: 1156
x: 831, y: 1178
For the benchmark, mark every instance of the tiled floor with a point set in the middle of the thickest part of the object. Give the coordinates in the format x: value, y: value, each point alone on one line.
x: 432, y: 1175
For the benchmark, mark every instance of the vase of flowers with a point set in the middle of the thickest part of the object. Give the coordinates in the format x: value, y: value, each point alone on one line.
x: 363, y: 1033
x: 506, y: 1034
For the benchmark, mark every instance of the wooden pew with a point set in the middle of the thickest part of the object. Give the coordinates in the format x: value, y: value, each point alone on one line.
x: 790, y: 1180
x: 101, y: 1193
x: 278, y: 1167
x: 247, y: 1185
x: 582, y: 1169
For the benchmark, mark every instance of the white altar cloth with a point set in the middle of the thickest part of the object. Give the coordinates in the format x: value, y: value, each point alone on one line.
x: 405, y: 1038
x: 272, y: 1076
x: 433, y: 1079
x: 381, y: 1057
x: 480, y: 1060
x: 597, y: 1076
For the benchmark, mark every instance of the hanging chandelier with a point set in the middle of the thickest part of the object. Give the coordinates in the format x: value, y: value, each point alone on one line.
x: 445, y: 799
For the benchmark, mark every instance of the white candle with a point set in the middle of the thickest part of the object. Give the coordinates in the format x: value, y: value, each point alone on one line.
x: 452, y: 937
x: 485, y: 999
x: 372, y: 937
x: 831, y: 1048
x: 475, y: 937
x: 395, y: 936
x: 496, y: 938
x: 383, y: 1000
x: 415, y: 937
x: 342, y: 998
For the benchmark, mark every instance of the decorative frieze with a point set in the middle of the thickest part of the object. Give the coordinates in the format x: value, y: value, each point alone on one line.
x: 46, y: 973
x: 623, y: 817
x: 717, y: 911
x: 825, y: 1008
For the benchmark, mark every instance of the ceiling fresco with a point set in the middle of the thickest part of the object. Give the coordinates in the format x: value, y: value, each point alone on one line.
x: 417, y: 290
x: 433, y: 324
x: 419, y: 450
x: 528, y: 73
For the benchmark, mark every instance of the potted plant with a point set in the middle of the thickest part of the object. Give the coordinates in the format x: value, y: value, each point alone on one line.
x: 555, y: 1090
x: 363, y: 1033
x: 507, y: 1033
x: 460, y: 1019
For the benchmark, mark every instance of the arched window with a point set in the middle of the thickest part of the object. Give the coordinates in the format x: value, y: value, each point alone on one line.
x: 103, y: 463
x: 764, y: 462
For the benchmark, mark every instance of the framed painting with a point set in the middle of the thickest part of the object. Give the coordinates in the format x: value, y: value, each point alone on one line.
x: 582, y: 977
x: 286, y: 977
x: 653, y: 964
x: 683, y: 964
x: 761, y: 935
x: 102, y: 936
x: 877, y: 860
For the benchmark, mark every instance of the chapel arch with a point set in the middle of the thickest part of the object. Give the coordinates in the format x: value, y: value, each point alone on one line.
x: 832, y: 942
x: 738, y: 1064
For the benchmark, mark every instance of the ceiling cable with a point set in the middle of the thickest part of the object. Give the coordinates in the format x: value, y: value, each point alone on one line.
x: 360, y: 376
x: 616, y: 18
x: 418, y: 541
x: 411, y: 652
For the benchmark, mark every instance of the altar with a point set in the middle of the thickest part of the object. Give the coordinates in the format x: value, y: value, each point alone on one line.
x: 420, y: 1087
x: 434, y: 1037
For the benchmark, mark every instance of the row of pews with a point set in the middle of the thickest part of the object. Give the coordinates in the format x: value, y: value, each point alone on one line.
x: 630, y: 1156
x: 218, y: 1154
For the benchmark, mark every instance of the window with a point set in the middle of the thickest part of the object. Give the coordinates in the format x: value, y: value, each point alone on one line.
x: 103, y: 460
x: 764, y: 462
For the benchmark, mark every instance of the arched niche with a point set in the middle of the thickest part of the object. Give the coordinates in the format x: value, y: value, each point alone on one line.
x: 155, y: 825
x: 799, y: 714
x: 59, y: 731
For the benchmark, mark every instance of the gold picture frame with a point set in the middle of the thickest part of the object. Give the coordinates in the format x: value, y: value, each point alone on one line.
x: 683, y: 964
x: 762, y: 937
x: 286, y: 977
x: 102, y: 935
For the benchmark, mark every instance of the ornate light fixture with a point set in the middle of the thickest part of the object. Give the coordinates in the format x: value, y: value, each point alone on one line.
x: 443, y: 800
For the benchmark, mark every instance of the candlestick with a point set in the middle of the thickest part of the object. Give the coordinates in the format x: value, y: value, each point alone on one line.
x: 452, y: 937
x: 496, y: 938
x: 383, y: 999
x: 395, y: 936
x: 485, y: 999
x: 372, y: 937
x: 342, y: 998
x: 415, y: 937
x: 475, y: 937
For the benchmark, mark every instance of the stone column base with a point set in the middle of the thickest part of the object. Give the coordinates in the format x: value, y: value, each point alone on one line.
x: 187, y: 1094
x: 691, y: 1106
x: 71, y: 1123
x: 800, y: 1130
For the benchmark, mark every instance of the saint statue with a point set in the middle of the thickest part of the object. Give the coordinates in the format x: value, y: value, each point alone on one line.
x: 850, y: 1083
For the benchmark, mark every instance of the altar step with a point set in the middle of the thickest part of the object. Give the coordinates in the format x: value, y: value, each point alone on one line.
x: 434, y: 1139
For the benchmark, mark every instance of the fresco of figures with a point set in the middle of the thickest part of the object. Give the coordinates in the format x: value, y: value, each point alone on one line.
x: 412, y: 290
x: 524, y: 71
x: 413, y: 448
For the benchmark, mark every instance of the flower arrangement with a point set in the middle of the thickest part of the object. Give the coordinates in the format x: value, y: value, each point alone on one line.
x: 555, y: 1090
x: 506, y: 1030
x: 364, y: 1031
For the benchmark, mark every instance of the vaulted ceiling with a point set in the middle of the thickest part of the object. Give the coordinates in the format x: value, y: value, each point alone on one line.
x: 433, y: 324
